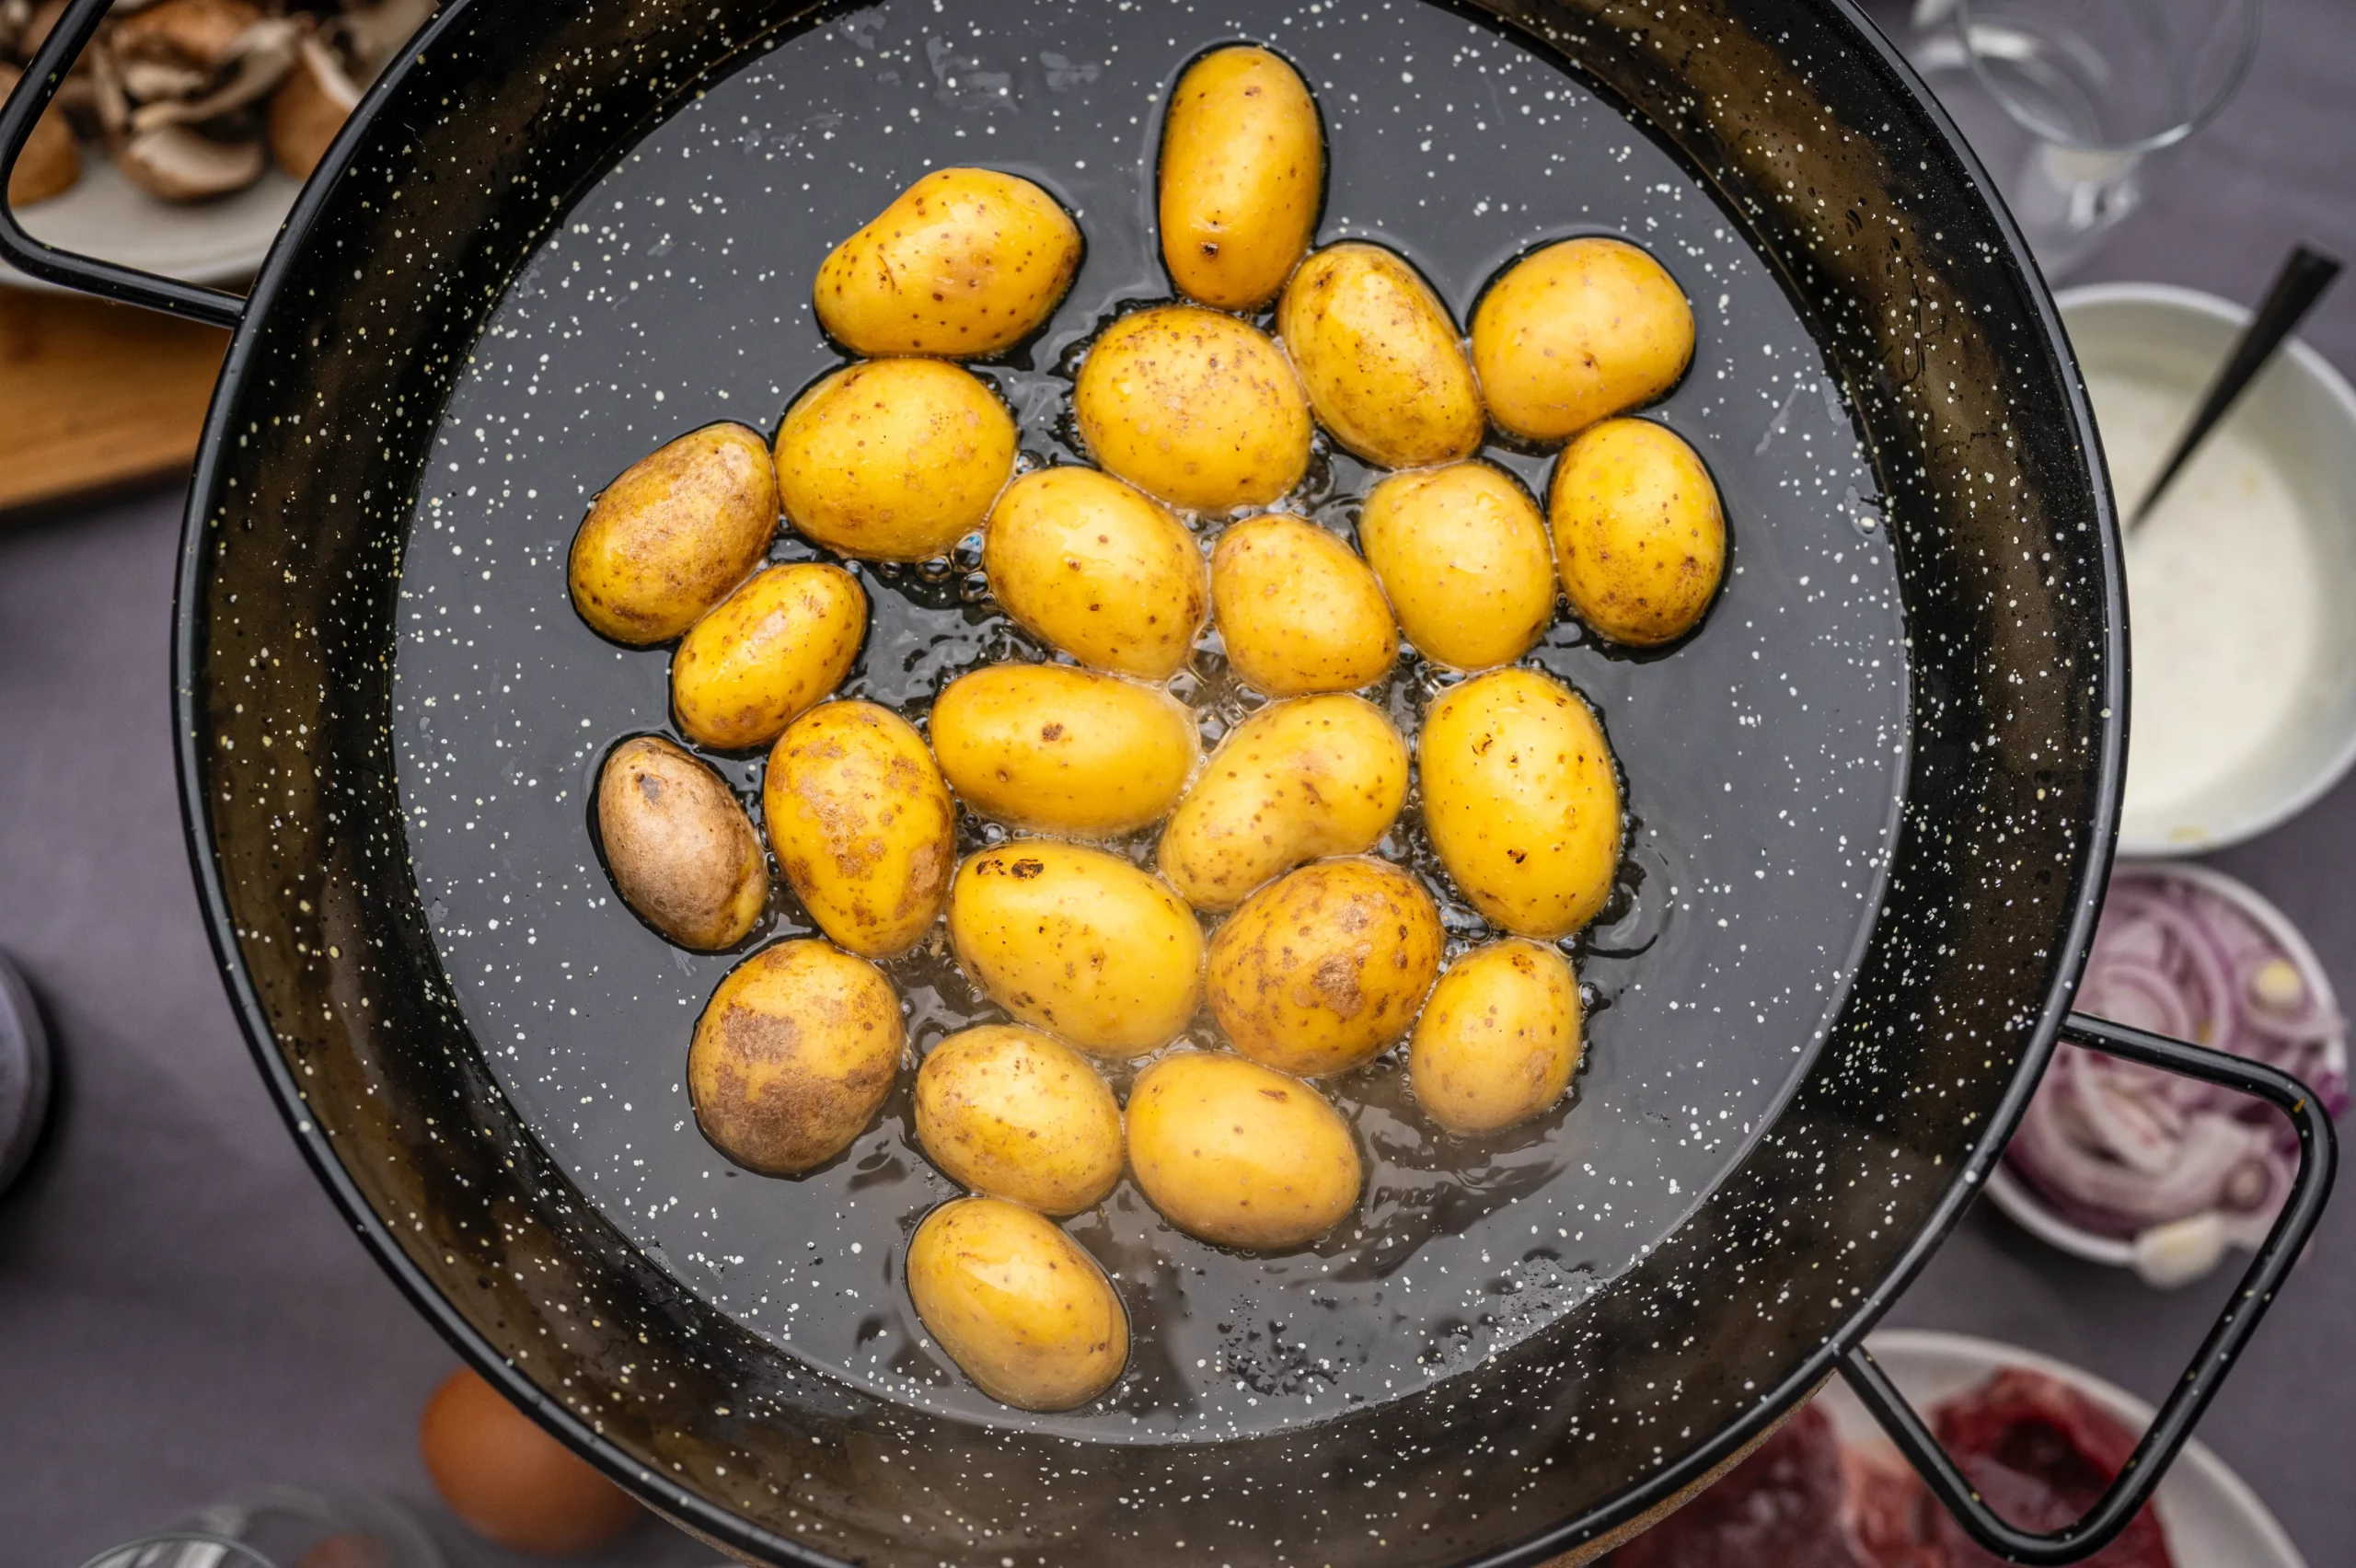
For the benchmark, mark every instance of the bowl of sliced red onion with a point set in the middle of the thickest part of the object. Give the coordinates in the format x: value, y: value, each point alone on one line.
x: 2144, y: 1169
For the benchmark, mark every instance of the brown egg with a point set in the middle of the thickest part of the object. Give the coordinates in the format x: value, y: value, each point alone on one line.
x: 511, y: 1482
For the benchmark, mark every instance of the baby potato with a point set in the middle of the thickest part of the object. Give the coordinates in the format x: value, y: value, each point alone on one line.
x: 893, y: 460
x: 1579, y: 331
x: 781, y: 641
x: 678, y: 844
x: 863, y: 824
x: 1299, y: 610
x: 1008, y: 1111
x: 1462, y: 556
x: 1063, y: 751
x: 1326, y: 966
x: 1243, y: 176
x: 1296, y: 782
x: 967, y: 262
x: 1638, y: 531
x: 666, y: 540
x: 1194, y: 407
x: 793, y: 1055
x: 1239, y: 1154
x: 1522, y: 801
x: 1499, y: 1039
x: 1079, y: 942
x: 1099, y: 570
x: 1379, y: 358
x: 1019, y: 1307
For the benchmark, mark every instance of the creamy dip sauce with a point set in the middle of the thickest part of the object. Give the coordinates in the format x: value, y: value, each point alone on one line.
x: 2221, y: 598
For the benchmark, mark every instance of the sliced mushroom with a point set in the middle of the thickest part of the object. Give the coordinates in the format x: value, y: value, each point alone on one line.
x: 255, y: 65
x: 181, y: 164
x: 50, y: 163
x: 375, y: 33
x: 202, y: 35
x: 310, y: 109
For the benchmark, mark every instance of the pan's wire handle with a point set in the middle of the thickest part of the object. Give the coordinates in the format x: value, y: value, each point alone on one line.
x: 2318, y: 1157
x: 86, y: 274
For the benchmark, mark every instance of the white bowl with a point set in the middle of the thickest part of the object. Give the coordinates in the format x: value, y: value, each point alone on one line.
x: 2167, y: 1262
x: 201, y: 242
x: 2302, y: 415
x: 2212, y: 1518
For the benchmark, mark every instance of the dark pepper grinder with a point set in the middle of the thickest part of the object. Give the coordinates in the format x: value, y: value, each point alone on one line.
x: 24, y: 1074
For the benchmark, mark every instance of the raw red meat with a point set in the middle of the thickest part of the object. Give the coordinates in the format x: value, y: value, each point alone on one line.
x: 1779, y: 1508
x: 2041, y: 1454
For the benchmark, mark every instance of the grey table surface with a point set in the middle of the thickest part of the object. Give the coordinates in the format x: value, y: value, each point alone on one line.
x: 184, y: 1316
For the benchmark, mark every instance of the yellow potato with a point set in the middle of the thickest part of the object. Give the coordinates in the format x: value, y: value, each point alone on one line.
x: 863, y: 824
x: 1243, y: 176
x: 1638, y: 531
x: 1296, y: 782
x: 1197, y: 408
x: 966, y: 262
x: 893, y: 460
x: 1324, y: 967
x: 1008, y: 1111
x: 668, y: 540
x: 681, y: 850
x: 1499, y: 1039
x: 1099, y: 570
x: 1522, y: 801
x: 1239, y: 1154
x: 1298, y: 609
x: 1379, y: 356
x: 793, y: 1055
x: 1079, y: 942
x: 1462, y: 555
x: 1579, y: 331
x: 1063, y: 751
x: 1019, y: 1307
x: 780, y: 642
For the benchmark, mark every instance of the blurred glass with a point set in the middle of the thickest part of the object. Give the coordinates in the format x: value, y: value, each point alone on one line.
x: 2066, y: 100
x: 283, y: 1526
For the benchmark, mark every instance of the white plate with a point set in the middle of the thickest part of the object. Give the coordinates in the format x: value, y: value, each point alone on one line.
x: 2212, y: 1519
x: 204, y: 242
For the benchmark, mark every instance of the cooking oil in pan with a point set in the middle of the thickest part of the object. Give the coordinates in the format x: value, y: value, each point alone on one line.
x: 1761, y: 756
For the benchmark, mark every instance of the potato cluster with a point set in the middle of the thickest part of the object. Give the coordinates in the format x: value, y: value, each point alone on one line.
x: 1320, y: 954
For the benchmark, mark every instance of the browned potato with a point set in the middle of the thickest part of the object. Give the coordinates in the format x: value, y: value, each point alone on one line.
x: 1298, y: 609
x: 1059, y: 750
x: 1098, y: 569
x: 1009, y: 1112
x: 1499, y: 1039
x: 1312, y: 777
x: 1021, y: 1308
x: 1463, y: 557
x: 680, y: 848
x: 780, y: 642
x: 967, y: 262
x: 1638, y: 531
x: 1194, y: 407
x: 1379, y: 355
x: 1576, y: 332
x: 895, y: 459
x: 793, y: 1055
x: 1324, y: 967
x: 861, y: 821
x: 1242, y: 175
x: 1239, y: 1154
x: 668, y: 540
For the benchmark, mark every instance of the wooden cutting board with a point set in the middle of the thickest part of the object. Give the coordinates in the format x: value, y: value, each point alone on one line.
x: 94, y: 395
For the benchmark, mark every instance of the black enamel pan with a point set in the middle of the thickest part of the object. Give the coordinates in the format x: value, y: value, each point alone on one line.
x: 1874, y: 795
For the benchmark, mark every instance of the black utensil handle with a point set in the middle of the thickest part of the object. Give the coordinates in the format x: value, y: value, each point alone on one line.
x: 2305, y: 274
x: 2318, y: 1157
x: 86, y: 274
